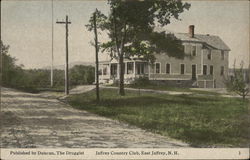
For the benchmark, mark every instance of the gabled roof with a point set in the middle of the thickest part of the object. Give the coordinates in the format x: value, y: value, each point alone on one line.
x: 211, y: 40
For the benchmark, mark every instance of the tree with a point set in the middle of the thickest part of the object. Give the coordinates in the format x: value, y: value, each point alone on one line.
x: 10, y: 72
x: 94, y: 23
x: 238, y: 82
x: 80, y: 75
x: 130, y: 27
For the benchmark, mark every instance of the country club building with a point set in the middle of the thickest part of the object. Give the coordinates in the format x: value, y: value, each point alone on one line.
x: 205, y: 67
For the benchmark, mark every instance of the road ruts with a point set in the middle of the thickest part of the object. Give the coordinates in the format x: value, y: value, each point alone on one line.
x: 41, y: 120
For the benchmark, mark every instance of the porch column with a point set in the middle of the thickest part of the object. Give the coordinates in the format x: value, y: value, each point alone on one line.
x: 118, y: 70
x: 95, y: 74
x: 102, y: 70
x: 108, y: 69
x: 202, y: 61
x: 148, y: 71
x: 134, y: 69
x: 126, y: 65
x: 100, y: 74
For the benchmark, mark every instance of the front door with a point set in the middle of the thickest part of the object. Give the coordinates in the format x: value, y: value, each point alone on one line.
x: 193, y: 72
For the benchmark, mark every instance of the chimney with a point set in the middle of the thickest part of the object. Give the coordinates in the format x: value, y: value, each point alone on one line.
x: 191, y: 31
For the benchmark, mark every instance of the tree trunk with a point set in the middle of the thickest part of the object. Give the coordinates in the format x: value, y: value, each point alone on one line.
x: 96, y: 60
x: 121, y: 61
x: 121, y: 84
x: 120, y: 54
x: 243, y: 96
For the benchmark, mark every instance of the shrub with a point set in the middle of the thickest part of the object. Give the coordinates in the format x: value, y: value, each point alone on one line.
x: 237, y: 83
x: 81, y: 74
x: 141, y: 81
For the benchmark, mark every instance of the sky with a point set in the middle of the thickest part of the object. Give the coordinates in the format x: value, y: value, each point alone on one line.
x: 27, y: 28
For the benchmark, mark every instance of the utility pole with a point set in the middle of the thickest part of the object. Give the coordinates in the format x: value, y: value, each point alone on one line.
x: 96, y: 59
x: 66, y: 65
x: 52, y: 47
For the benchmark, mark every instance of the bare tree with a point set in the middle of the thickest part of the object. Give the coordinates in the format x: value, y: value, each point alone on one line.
x: 237, y: 82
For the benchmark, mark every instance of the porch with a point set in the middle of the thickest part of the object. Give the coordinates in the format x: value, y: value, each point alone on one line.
x: 109, y: 72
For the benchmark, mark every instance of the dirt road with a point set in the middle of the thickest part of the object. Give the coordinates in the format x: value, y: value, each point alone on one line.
x: 41, y: 120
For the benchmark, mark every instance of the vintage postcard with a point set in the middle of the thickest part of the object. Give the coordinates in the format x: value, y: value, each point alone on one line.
x: 125, y: 79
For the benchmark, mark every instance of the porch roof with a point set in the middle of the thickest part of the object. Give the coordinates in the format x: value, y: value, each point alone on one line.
x: 125, y: 60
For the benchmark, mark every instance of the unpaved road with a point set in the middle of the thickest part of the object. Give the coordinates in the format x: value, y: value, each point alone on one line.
x: 41, y: 120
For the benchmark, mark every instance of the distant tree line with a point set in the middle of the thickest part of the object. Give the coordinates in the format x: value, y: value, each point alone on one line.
x: 13, y: 75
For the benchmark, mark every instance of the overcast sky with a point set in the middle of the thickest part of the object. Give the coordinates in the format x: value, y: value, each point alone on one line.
x: 27, y: 28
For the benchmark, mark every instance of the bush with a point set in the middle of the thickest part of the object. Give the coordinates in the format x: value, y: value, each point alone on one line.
x: 141, y: 81
x: 80, y: 75
x: 238, y: 83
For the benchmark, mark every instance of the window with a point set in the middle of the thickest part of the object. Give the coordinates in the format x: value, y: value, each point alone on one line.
x: 157, y: 67
x: 194, y: 71
x: 222, y: 55
x: 140, y: 68
x: 113, y: 69
x: 182, y: 68
x: 188, y: 49
x: 99, y: 72
x: 104, y: 71
x: 204, y: 69
x: 222, y: 70
x: 193, y: 50
x: 209, y: 56
x: 168, y: 68
x: 130, y: 67
x: 211, y: 70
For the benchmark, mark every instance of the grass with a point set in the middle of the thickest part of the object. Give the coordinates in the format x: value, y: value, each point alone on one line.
x: 33, y: 89
x: 53, y: 89
x: 166, y: 88
x: 158, y: 87
x: 202, y: 121
x: 155, y: 87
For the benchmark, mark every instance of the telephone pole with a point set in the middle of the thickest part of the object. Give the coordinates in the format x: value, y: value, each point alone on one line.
x: 52, y: 48
x: 96, y: 59
x: 66, y: 65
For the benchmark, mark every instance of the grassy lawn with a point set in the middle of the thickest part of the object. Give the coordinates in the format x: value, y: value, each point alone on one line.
x: 166, y: 88
x: 44, y: 89
x: 202, y: 121
x: 158, y: 87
